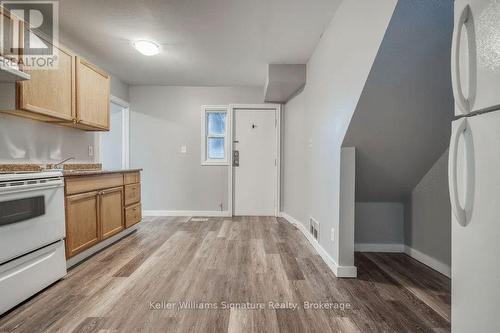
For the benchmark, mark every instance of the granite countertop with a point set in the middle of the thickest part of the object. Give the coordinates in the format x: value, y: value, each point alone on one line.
x: 69, y: 170
x: 74, y: 173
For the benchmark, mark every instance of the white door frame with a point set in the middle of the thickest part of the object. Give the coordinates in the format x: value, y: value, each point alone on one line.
x: 125, y: 130
x: 270, y: 107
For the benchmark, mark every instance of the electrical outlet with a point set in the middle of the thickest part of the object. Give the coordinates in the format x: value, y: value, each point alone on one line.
x: 91, y: 150
x: 333, y: 235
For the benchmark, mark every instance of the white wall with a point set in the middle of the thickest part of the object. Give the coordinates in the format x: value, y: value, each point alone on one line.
x: 428, y: 214
x: 379, y: 223
x: 293, y: 172
x: 29, y: 141
x: 163, y: 118
x: 336, y: 74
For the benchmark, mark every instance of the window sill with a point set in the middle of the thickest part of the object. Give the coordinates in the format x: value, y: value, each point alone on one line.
x: 209, y: 163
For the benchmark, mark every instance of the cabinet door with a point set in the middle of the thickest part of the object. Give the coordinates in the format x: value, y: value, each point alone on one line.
x: 51, y: 92
x: 111, y: 212
x: 82, y: 222
x: 11, y: 36
x: 92, y: 95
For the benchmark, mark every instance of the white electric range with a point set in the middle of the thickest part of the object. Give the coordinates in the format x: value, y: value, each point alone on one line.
x: 32, y: 231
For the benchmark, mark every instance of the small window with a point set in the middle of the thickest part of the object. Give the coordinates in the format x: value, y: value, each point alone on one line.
x: 214, y: 142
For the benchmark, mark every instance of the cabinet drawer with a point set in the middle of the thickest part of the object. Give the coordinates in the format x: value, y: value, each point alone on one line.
x: 133, y: 214
x: 132, y: 194
x: 132, y: 177
x: 92, y: 183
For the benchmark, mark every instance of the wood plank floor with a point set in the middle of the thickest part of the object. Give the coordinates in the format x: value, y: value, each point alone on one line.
x: 177, y: 275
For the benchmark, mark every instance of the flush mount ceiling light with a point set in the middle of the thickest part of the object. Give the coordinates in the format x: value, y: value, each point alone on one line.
x: 147, y: 47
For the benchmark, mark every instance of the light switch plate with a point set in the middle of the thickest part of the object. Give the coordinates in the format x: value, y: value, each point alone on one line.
x: 91, y: 150
x: 183, y: 149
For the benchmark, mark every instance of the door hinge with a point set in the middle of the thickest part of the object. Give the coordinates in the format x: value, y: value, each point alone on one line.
x: 275, y: 162
x: 275, y: 122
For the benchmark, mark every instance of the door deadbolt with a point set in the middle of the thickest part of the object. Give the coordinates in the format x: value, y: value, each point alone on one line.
x: 236, y: 158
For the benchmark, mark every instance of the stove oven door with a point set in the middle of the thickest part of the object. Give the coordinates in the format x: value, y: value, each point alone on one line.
x: 31, y: 216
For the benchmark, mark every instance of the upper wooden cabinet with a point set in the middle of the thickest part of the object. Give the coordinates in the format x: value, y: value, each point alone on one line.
x: 92, y: 95
x: 74, y: 93
x: 11, y: 29
x: 50, y: 94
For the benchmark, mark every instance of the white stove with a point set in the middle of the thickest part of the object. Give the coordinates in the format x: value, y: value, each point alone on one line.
x: 32, y: 231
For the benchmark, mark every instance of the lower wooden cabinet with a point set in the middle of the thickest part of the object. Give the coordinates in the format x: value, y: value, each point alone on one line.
x: 105, y: 208
x: 82, y: 222
x: 111, y: 212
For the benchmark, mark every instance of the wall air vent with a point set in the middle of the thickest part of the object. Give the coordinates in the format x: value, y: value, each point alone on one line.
x: 314, y: 228
x: 199, y: 219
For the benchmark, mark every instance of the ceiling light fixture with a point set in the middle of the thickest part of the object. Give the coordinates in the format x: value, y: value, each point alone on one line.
x: 146, y: 47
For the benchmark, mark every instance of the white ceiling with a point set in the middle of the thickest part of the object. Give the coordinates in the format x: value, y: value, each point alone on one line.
x: 204, y: 42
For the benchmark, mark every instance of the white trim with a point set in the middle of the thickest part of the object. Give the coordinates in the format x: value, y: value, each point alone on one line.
x: 119, y: 101
x: 196, y: 213
x: 125, y: 132
x: 339, y: 271
x: 277, y: 109
x: 370, y: 247
x: 429, y: 261
x: 126, y: 137
x: 205, y: 161
x: 98, y: 247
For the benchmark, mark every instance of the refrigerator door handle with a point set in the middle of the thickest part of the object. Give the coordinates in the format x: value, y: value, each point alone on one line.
x: 461, y: 213
x: 465, y: 20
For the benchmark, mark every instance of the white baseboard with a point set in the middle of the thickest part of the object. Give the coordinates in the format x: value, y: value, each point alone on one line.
x: 98, y: 247
x: 195, y: 213
x: 429, y: 261
x: 392, y: 248
x: 339, y: 271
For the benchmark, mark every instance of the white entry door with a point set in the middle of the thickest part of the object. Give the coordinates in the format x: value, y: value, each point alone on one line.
x: 255, y: 176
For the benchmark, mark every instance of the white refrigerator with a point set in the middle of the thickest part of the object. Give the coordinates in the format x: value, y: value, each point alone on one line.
x: 474, y: 167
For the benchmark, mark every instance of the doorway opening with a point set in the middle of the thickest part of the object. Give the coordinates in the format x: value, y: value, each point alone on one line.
x: 114, y: 145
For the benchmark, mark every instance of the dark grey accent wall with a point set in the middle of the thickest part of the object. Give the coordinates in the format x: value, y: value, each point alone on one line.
x: 428, y: 214
x: 379, y: 223
x: 402, y: 122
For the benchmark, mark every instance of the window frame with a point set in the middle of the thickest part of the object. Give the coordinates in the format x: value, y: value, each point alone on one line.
x: 205, y: 110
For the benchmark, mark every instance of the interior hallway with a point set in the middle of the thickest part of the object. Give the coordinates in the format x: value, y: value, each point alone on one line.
x: 239, y: 260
